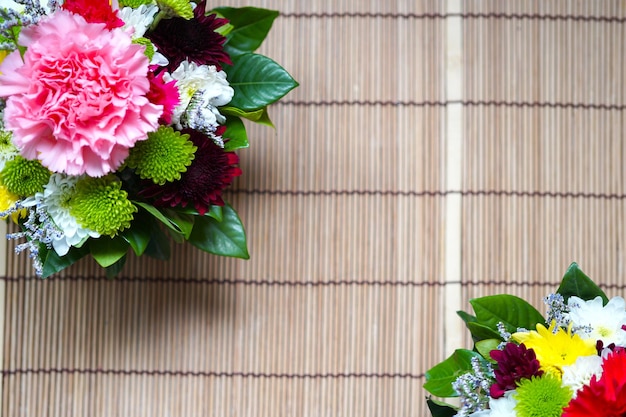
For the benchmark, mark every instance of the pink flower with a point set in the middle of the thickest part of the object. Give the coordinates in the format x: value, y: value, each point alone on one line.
x: 165, y: 94
x: 77, y: 101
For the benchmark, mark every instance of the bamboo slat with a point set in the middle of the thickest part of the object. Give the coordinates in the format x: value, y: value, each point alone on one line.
x: 403, y: 178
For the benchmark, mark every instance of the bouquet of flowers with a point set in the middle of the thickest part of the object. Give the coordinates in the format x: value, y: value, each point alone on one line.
x: 571, y: 363
x: 120, y: 122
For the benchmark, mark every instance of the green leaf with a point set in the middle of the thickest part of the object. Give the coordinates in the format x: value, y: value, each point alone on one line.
x: 107, y: 251
x: 439, y: 378
x: 484, y: 347
x: 576, y: 283
x: 182, y: 221
x: 481, y: 332
x: 225, y: 238
x: 512, y: 311
x: 171, y: 223
x: 250, y: 27
x: 466, y: 317
x: 159, y: 245
x: 260, y: 116
x: 115, y: 269
x: 236, y: 134
x: 138, y: 235
x: 440, y: 409
x: 265, y: 119
x: 53, y: 263
x: 258, y: 81
x: 216, y: 213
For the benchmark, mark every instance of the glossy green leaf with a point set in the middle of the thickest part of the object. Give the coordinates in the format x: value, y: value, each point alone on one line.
x: 250, y: 26
x: 258, y: 81
x: 138, y: 235
x: 182, y: 221
x: 512, y: 311
x: 159, y: 245
x: 216, y: 213
x: 53, y: 263
x: 466, y: 317
x: 107, y: 251
x: 236, y: 134
x: 225, y: 238
x: 440, y: 409
x: 484, y: 347
x: 576, y: 283
x: 115, y: 269
x: 439, y: 378
x: 170, y: 223
x: 481, y: 332
x: 260, y: 116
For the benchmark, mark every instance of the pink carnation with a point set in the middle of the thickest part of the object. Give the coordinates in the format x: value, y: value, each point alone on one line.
x: 77, y: 101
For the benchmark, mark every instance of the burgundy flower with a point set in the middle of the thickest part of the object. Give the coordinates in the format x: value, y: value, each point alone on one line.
x: 194, y: 40
x: 514, y: 363
x: 212, y: 170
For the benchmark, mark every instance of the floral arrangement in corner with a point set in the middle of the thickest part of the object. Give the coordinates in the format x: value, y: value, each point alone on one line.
x: 120, y: 122
x: 570, y: 363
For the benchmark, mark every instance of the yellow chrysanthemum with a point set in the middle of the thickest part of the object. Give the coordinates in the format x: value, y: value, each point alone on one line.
x: 554, y: 350
x: 3, y: 54
x: 7, y: 200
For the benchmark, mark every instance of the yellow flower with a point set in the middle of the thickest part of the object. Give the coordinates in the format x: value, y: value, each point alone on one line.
x: 7, y: 200
x: 555, y: 350
x: 3, y: 54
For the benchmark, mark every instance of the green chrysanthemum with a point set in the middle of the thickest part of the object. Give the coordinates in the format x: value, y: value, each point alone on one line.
x: 24, y: 177
x: 100, y: 204
x: 133, y: 3
x: 181, y: 8
x: 163, y: 156
x: 149, y: 52
x: 541, y: 397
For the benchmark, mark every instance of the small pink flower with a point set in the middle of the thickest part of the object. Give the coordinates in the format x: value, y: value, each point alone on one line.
x: 165, y: 94
x: 77, y: 101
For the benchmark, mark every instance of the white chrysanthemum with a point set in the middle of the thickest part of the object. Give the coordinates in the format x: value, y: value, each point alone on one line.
x: 138, y: 20
x: 579, y: 374
x: 12, y: 5
x: 500, y: 407
x: 503, y: 406
x: 159, y: 59
x: 207, y: 84
x: 54, y: 199
x: 592, y: 320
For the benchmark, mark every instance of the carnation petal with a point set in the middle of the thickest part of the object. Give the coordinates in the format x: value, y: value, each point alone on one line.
x: 86, y: 95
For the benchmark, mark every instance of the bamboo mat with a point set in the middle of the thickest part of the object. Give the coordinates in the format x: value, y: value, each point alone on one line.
x: 435, y: 151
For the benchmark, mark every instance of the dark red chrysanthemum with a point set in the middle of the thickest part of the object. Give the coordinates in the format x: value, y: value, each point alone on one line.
x: 604, y: 397
x: 212, y: 170
x: 95, y: 11
x: 194, y: 40
x: 514, y: 363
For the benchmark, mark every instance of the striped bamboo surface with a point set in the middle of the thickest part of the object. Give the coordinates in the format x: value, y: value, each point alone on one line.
x: 435, y: 151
